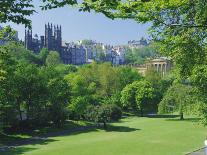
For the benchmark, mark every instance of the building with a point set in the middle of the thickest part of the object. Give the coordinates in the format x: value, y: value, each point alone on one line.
x: 162, y: 65
x: 52, y: 39
x: 119, y: 55
x: 73, y: 54
x: 137, y: 44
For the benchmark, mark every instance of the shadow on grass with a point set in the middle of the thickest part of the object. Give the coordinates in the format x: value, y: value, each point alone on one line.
x: 111, y: 128
x: 14, y: 142
x: 15, y: 145
x: 160, y: 116
x: 185, y: 119
x: 17, y: 151
x: 50, y: 128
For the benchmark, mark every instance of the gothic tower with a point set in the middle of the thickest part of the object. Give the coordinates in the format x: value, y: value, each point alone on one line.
x: 53, y: 37
x: 28, y: 39
x: 49, y: 36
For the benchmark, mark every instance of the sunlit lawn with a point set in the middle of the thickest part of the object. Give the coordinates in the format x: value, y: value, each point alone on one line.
x: 130, y: 136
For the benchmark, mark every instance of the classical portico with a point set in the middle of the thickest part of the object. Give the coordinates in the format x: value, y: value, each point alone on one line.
x: 162, y: 65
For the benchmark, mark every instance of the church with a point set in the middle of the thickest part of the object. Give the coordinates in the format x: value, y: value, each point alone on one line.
x: 52, y: 40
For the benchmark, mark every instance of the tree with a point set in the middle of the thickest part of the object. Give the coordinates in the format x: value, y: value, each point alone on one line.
x: 53, y: 59
x: 199, y: 80
x: 59, y: 97
x: 178, y: 98
x: 137, y: 95
x: 7, y: 86
x: 161, y: 13
x: 16, y: 11
x: 103, y: 113
x: 139, y: 55
x: 31, y: 90
x: 43, y: 56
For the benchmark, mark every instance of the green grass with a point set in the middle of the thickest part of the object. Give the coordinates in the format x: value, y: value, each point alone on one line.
x: 9, y: 139
x: 130, y: 136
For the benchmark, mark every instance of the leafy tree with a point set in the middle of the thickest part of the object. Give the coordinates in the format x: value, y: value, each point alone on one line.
x: 66, y: 69
x: 160, y: 85
x: 178, y: 98
x: 31, y: 88
x: 127, y: 75
x: 16, y: 11
x: 78, y: 106
x: 43, y: 55
x: 139, y: 55
x: 53, y: 59
x: 103, y: 113
x: 59, y: 97
x: 7, y: 99
x: 87, y: 42
x: 199, y: 80
x: 108, y: 78
x: 137, y: 95
x: 144, y: 95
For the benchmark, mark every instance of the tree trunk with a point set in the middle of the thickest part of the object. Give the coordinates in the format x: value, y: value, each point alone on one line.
x: 181, y: 116
x: 19, y: 109
x: 141, y: 112
x: 105, y: 127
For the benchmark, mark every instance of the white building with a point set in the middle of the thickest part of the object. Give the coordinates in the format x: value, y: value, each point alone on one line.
x: 118, y: 55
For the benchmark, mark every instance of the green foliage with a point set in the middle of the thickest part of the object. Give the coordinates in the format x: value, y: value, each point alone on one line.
x: 59, y: 96
x: 179, y: 98
x: 37, y: 94
x: 86, y: 42
x: 7, y: 34
x: 53, y: 59
x: 137, y: 95
x: 43, y: 56
x: 16, y: 11
x: 78, y: 106
x: 160, y: 85
x: 139, y: 55
x: 103, y: 113
x: 199, y: 80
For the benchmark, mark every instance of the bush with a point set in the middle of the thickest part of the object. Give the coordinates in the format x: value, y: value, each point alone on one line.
x: 103, y: 113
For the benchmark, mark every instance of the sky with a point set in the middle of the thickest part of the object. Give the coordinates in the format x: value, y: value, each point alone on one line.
x: 82, y: 25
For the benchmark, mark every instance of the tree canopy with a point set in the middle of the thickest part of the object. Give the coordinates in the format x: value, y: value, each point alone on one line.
x: 168, y: 13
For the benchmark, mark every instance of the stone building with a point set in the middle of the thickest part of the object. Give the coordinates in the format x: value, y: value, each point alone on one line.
x: 137, y: 43
x: 162, y: 65
x: 51, y: 40
x: 73, y: 54
x: 119, y: 55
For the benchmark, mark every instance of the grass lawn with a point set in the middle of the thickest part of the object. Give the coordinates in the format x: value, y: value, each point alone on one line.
x: 130, y: 136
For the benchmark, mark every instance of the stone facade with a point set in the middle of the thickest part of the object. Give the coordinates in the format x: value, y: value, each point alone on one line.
x: 137, y: 43
x: 162, y: 65
x: 52, y: 40
x: 72, y: 54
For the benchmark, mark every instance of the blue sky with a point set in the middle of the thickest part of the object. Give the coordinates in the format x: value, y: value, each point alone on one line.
x: 81, y: 25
